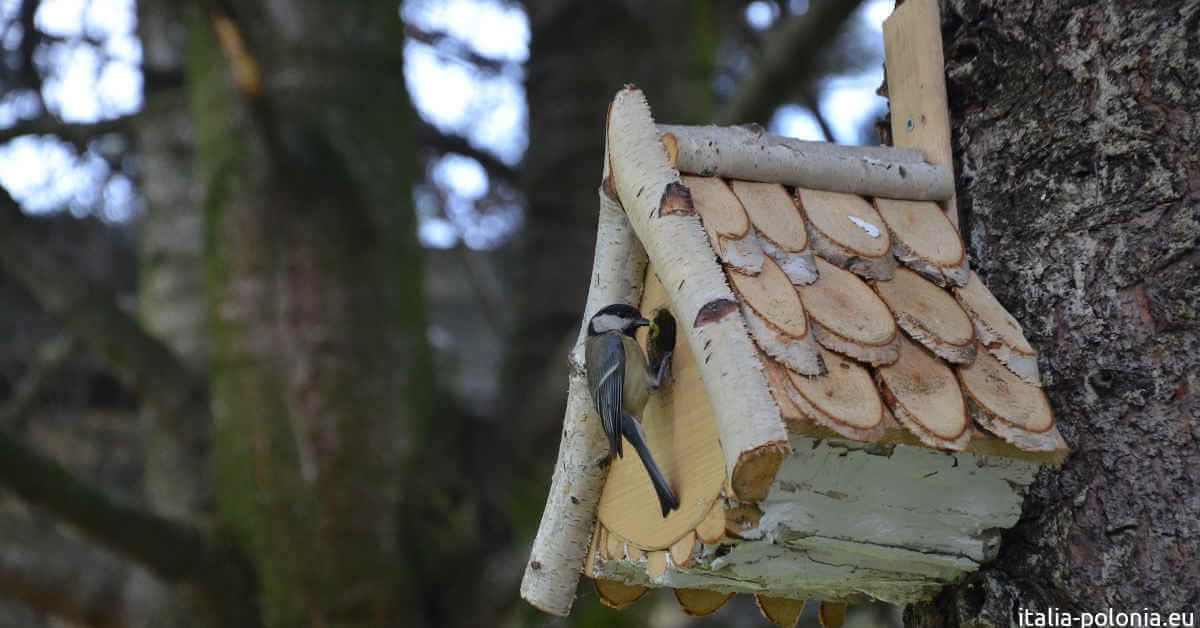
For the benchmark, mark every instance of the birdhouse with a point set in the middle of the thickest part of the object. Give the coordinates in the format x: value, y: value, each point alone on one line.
x: 852, y: 415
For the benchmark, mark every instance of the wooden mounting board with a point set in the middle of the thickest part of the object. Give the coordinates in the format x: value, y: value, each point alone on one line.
x: 682, y: 435
x: 916, y: 84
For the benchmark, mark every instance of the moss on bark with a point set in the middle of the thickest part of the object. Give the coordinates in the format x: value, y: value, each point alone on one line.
x: 320, y: 365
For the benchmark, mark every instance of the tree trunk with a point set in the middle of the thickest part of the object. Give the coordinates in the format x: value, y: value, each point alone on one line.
x: 171, y: 292
x: 321, y: 391
x: 177, y: 482
x: 1075, y: 134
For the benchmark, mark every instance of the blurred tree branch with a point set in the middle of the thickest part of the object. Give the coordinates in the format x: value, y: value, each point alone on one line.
x: 92, y: 315
x: 66, y: 578
x: 450, y: 143
x: 78, y: 134
x: 46, y: 362
x: 27, y: 72
x: 174, y: 551
x: 808, y: 97
x: 447, y: 45
x: 790, y: 60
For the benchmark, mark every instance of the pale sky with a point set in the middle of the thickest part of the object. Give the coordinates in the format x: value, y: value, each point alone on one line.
x: 489, y: 109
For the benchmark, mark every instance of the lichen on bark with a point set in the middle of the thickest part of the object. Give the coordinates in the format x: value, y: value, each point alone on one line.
x: 1075, y: 126
x: 320, y: 385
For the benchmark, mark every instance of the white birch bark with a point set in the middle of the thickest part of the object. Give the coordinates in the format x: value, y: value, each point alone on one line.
x: 747, y: 152
x: 659, y: 207
x: 893, y: 522
x: 559, y: 549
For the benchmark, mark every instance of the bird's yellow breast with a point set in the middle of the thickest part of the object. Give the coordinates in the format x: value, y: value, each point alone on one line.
x: 636, y: 392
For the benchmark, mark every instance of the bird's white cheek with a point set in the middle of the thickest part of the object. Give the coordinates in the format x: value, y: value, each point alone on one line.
x: 608, y: 322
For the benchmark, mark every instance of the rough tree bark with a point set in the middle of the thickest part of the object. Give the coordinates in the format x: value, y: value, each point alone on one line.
x: 321, y: 391
x: 1075, y: 126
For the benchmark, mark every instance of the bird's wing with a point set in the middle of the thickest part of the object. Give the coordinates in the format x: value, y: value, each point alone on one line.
x: 606, y: 379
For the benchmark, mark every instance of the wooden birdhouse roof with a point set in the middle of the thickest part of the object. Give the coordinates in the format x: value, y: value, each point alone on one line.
x: 853, y: 414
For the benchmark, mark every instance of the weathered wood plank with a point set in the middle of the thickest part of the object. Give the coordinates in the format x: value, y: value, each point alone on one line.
x: 847, y: 520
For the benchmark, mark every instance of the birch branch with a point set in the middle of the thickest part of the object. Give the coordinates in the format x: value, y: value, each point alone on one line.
x: 557, y: 558
x: 747, y: 152
x: 661, y: 211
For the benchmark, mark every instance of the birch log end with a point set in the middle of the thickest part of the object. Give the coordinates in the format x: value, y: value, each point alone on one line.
x: 925, y: 240
x: 725, y: 220
x: 780, y: 228
x: 700, y: 602
x: 998, y: 330
x: 781, y: 611
x: 1007, y: 405
x: 844, y: 399
x: 618, y: 595
x: 776, y: 318
x: 848, y: 317
x: 924, y: 396
x: 846, y: 230
x: 832, y: 614
x: 929, y: 315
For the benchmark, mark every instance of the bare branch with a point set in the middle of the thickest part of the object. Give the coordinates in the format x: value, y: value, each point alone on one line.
x: 789, y: 60
x: 76, y: 134
x: 91, y: 314
x: 174, y: 551
x: 450, y: 143
x: 68, y: 579
x: 809, y: 99
x: 46, y: 362
x: 27, y: 72
x: 487, y: 302
x: 447, y: 44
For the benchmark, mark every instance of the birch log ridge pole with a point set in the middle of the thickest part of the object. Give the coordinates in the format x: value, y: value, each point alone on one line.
x: 660, y: 209
x: 559, y: 549
x: 749, y: 153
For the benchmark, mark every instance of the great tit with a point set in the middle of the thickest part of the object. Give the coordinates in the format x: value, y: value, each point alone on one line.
x: 620, y: 383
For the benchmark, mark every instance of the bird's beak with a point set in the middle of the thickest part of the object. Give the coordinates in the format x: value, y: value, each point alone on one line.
x: 641, y: 322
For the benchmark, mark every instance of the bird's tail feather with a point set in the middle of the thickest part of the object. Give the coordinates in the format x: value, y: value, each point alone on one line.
x: 633, y: 431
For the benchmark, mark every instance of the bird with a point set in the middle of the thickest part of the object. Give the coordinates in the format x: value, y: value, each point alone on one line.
x: 620, y: 383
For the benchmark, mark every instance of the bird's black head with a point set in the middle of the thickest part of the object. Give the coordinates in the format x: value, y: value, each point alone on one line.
x: 616, y: 317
